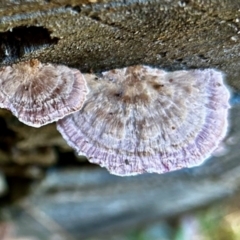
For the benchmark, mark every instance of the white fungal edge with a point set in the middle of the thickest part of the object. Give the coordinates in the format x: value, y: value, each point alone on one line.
x: 226, y: 126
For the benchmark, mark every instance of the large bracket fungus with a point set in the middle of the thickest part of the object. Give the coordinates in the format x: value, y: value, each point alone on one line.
x: 141, y: 119
x: 39, y: 93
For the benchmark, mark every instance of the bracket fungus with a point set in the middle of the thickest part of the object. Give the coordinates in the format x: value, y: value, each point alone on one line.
x: 38, y: 94
x: 141, y: 119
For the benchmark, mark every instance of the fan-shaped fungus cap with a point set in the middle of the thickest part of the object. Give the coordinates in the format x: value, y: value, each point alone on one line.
x: 38, y: 94
x: 142, y: 119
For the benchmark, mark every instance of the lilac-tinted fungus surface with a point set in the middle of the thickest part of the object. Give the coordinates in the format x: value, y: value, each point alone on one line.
x: 141, y: 119
x: 39, y: 94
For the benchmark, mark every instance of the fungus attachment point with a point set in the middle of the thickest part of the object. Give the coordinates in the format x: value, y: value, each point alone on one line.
x: 161, y: 121
x: 38, y: 94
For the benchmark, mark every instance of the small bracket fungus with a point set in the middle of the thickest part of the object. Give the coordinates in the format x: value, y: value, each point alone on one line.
x: 141, y: 119
x: 38, y: 94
